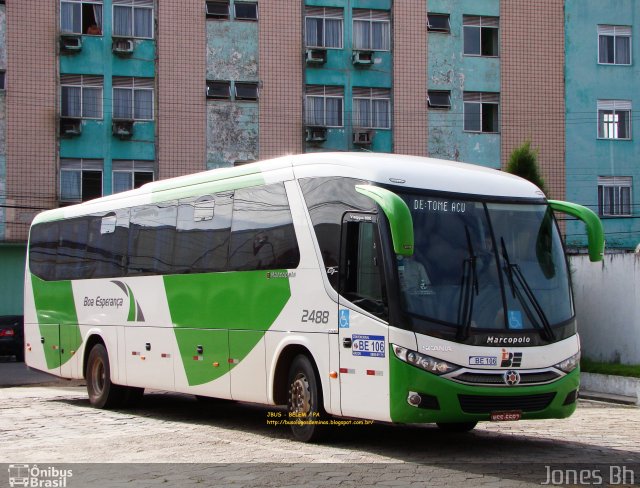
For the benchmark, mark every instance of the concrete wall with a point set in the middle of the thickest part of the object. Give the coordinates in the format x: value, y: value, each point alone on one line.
x: 532, y: 78
x: 232, y: 126
x: 181, y: 88
x: 450, y: 69
x: 281, y: 77
x: 409, y: 77
x: 31, y: 113
x: 12, y: 257
x: 607, y: 299
x: 587, y: 81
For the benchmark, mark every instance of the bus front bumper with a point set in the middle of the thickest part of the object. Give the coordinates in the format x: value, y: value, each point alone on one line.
x: 444, y: 400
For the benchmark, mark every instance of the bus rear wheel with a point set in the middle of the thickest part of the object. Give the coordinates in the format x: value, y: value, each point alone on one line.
x: 305, y: 401
x: 102, y: 392
x: 457, y: 426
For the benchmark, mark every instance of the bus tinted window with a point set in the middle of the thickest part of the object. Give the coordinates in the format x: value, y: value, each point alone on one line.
x: 262, y: 234
x: 43, y: 248
x: 202, y: 237
x: 72, y: 262
x: 108, y: 238
x: 327, y: 200
x: 151, y: 234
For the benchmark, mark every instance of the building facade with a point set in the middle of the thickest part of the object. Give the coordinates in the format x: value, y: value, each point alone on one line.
x: 99, y: 96
x: 603, y: 153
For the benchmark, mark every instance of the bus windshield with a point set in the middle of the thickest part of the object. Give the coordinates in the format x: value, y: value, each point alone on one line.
x: 480, y: 265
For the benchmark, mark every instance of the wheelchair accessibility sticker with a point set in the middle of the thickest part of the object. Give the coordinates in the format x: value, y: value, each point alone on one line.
x: 515, y: 319
x: 367, y: 345
x: 343, y: 319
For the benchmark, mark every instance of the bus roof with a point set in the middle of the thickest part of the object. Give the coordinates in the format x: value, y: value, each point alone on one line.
x: 400, y: 170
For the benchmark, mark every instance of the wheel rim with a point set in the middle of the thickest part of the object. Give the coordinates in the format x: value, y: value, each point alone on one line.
x: 98, y: 377
x: 300, y: 394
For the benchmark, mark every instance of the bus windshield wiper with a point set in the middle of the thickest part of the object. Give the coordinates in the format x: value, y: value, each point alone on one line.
x: 513, y: 270
x: 468, y: 286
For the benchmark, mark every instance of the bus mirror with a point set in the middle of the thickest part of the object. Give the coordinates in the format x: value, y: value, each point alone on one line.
x: 595, y: 232
x: 397, y: 213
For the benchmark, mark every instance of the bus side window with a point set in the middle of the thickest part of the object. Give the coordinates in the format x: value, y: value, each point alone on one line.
x: 360, y: 267
x: 43, y: 248
x: 262, y: 233
x: 202, y: 234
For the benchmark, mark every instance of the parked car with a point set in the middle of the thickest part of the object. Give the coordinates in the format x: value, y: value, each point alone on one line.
x: 12, y: 336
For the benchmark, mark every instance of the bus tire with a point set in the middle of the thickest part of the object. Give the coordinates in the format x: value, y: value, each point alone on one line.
x: 102, y: 392
x: 305, y: 401
x: 457, y: 426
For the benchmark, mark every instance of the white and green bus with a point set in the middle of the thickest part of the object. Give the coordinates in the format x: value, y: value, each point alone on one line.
x: 373, y: 286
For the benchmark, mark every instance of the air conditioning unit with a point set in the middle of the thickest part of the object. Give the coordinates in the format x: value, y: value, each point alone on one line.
x: 362, y: 58
x: 122, y: 46
x: 316, y: 134
x: 122, y: 129
x: 70, y: 43
x: 316, y: 56
x: 362, y: 137
x: 70, y: 126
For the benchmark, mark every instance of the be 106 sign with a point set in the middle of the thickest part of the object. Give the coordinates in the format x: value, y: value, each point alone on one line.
x: 368, y: 345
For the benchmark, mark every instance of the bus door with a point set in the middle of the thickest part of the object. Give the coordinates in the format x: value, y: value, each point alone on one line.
x: 362, y: 333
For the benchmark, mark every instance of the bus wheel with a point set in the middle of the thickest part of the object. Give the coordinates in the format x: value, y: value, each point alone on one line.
x: 457, y: 426
x: 305, y: 401
x: 102, y: 393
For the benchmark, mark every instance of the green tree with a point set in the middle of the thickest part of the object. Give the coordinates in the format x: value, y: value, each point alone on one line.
x: 523, y: 162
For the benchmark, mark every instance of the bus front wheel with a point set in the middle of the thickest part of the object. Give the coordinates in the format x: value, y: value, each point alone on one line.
x: 305, y: 401
x: 102, y: 392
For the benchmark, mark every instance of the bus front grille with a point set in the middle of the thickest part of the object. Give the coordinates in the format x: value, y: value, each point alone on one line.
x: 497, y: 379
x: 488, y: 404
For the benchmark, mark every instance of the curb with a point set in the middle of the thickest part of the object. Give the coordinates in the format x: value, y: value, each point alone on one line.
x: 615, y: 389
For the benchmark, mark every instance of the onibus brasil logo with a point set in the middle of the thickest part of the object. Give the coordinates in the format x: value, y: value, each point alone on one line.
x: 34, y: 476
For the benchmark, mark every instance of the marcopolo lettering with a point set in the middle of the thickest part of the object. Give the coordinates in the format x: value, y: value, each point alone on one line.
x: 508, y: 340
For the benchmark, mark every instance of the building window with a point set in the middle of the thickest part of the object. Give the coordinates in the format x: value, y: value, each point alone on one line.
x: 371, y: 30
x: 81, y: 17
x: 614, y: 119
x: 219, y: 90
x: 480, y: 35
x: 614, y: 44
x: 323, y: 106
x: 3, y: 80
x: 127, y: 175
x: 438, y: 22
x: 323, y: 27
x: 245, y: 10
x: 80, y: 179
x: 218, y: 10
x: 132, y: 98
x: 481, y: 112
x: 439, y: 99
x: 371, y: 108
x: 133, y: 18
x: 614, y: 195
x: 246, y: 91
x: 81, y: 96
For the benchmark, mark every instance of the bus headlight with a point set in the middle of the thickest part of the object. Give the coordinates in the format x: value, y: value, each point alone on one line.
x: 570, y: 364
x: 422, y: 361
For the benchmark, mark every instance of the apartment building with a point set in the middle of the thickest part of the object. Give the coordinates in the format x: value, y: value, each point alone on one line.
x: 99, y: 96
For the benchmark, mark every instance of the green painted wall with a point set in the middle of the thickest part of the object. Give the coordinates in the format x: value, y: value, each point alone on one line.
x: 450, y: 69
x: 12, y: 263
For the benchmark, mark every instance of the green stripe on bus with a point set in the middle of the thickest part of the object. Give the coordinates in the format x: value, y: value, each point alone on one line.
x: 204, y: 307
x: 55, y: 306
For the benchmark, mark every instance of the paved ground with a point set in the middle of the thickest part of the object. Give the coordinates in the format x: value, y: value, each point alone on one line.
x: 54, y: 424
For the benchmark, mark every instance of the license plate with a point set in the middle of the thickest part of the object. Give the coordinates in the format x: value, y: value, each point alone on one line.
x: 505, y: 416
